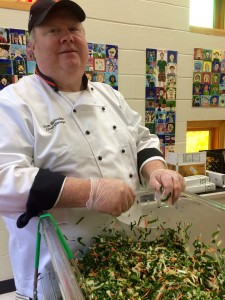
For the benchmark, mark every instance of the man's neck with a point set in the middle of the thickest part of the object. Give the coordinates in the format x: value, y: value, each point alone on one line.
x: 65, y: 83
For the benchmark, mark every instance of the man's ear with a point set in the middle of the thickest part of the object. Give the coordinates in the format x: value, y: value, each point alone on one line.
x: 32, y: 48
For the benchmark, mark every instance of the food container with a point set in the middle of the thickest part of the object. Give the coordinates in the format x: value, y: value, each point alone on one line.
x: 203, y: 214
x: 63, y: 284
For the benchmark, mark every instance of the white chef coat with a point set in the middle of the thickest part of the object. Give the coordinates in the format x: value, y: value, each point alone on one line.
x: 96, y: 135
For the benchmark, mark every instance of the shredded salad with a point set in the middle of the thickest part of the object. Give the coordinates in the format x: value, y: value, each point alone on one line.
x: 118, y: 267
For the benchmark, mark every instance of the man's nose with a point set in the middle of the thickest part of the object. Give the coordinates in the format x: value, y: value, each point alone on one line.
x: 67, y: 36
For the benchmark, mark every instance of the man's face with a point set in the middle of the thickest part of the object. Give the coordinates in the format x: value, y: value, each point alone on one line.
x: 59, y: 44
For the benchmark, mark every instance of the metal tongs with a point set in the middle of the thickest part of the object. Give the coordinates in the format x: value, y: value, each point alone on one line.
x: 62, y: 264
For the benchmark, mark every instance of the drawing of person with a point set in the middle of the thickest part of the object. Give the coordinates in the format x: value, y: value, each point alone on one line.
x: 110, y: 65
x: 150, y: 81
x: 214, y: 89
x: 222, y: 67
x: 207, y: 56
x: 197, y: 77
x: 216, y: 67
x: 222, y: 79
x: 215, y: 78
x: 205, y: 101
x: 171, y: 93
x: 172, y: 56
x: 2, y: 37
x: 198, y: 66
x: 150, y: 104
x: 214, y: 101
x: 161, y: 64
x: 160, y: 128
x: 150, y: 55
x: 4, y: 51
x: 207, y: 67
x: 150, y: 93
x: 112, y: 80
x: 216, y: 56
x: 196, y: 101
x: 112, y: 52
x: 16, y: 39
x: 198, y: 53
x: 161, y: 95
x: 206, y: 77
x: 171, y: 82
x: 206, y: 88
x: 197, y: 88
x: 100, y: 77
x: 89, y: 75
x: 3, y: 82
x: 170, y: 128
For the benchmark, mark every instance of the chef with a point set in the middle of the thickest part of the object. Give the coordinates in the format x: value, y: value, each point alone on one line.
x: 68, y: 145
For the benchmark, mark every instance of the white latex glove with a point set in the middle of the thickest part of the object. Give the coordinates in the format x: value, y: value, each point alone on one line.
x: 110, y: 196
x: 167, y: 182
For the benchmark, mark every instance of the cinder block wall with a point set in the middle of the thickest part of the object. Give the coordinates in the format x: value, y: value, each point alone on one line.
x: 135, y: 25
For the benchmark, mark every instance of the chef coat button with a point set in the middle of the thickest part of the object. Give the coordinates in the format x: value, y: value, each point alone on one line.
x: 114, y: 127
x: 131, y: 175
x: 87, y: 132
x: 123, y: 151
x: 74, y: 110
x: 92, y: 89
x: 103, y: 108
x: 99, y: 158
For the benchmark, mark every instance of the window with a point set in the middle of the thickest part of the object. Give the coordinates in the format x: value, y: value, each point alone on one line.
x: 197, y: 140
x: 201, y: 13
x: 16, y: 4
x: 207, y: 17
x: 205, y: 135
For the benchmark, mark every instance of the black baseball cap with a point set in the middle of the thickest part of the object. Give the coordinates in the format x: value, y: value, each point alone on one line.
x: 41, y: 8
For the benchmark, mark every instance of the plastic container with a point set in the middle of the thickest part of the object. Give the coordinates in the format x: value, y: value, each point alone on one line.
x: 205, y: 216
x: 64, y: 285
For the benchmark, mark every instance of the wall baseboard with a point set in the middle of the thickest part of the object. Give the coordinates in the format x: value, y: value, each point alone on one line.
x: 7, y: 286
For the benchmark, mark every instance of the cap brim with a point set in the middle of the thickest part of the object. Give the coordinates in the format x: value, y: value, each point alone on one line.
x: 70, y: 5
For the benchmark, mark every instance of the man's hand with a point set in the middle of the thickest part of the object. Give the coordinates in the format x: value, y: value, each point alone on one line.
x: 111, y: 196
x: 167, y: 181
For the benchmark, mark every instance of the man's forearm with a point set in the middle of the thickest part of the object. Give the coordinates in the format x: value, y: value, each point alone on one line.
x: 75, y: 193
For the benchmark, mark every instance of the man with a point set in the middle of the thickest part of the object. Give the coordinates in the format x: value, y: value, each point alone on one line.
x: 78, y: 149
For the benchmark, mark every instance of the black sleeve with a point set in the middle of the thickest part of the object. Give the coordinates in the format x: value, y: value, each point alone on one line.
x: 145, y: 154
x: 43, y: 195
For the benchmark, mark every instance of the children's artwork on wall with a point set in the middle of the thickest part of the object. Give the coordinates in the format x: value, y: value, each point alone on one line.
x: 102, y: 64
x: 160, y: 95
x: 208, y: 88
x: 17, y: 60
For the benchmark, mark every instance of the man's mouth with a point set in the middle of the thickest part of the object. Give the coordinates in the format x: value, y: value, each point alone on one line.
x: 68, y: 51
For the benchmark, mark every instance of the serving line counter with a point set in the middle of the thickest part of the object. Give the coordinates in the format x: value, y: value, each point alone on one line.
x: 203, y: 213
